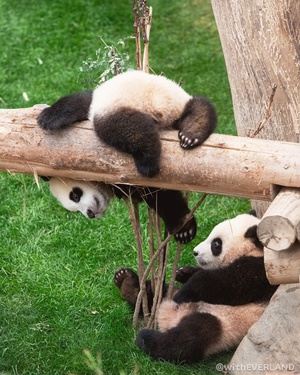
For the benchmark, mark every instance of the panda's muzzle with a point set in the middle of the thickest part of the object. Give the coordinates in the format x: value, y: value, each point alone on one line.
x: 95, y: 210
x: 90, y: 214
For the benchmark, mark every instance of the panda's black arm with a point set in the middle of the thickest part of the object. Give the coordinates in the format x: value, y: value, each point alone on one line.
x: 243, y: 281
x: 66, y: 111
x: 184, y: 273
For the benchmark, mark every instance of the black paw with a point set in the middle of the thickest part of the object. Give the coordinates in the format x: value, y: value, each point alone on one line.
x: 124, y: 274
x: 180, y: 297
x: 184, y: 273
x: 146, y: 340
x: 49, y: 119
x: 128, y: 283
x: 147, y: 168
x: 187, y: 233
x: 187, y: 142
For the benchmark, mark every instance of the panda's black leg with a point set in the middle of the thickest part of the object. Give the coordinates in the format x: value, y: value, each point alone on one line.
x: 188, y: 342
x: 66, y: 111
x: 128, y: 283
x: 172, y: 208
x: 196, y: 123
x: 135, y: 133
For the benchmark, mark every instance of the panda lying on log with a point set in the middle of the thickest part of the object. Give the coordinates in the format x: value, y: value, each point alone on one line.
x: 92, y: 199
x: 218, y: 302
x: 130, y: 110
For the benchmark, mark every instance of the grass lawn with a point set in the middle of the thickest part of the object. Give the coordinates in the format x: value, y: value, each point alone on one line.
x: 57, y: 297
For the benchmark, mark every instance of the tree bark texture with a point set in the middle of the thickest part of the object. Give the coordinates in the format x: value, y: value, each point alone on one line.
x: 283, y: 267
x: 260, y: 40
x: 226, y: 165
x: 278, y: 227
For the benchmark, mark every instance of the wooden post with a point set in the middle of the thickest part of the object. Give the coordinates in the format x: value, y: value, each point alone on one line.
x: 260, y: 41
x: 283, y: 267
x: 298, y: 231
x: 277, y: 229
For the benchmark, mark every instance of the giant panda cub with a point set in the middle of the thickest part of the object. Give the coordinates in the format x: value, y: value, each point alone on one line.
x: 219, y: 300
x: 130, y: 110
x: 92, y: 199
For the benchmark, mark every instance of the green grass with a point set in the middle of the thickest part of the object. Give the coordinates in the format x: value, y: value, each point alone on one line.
x: 57, y: 297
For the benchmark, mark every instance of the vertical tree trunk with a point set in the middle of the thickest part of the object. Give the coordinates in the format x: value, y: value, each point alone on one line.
x: 260, y: 40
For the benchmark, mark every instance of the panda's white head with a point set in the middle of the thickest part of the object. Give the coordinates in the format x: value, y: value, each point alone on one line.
x: 88, y: 197
x: 228, y: 241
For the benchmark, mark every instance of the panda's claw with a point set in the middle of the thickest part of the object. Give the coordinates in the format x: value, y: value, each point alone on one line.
x: 183, y: 274
x: 186, y: 142
x: 188, y: 232
x: 121, y: 274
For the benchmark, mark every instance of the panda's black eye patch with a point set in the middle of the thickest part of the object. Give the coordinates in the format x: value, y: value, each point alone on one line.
x: 216, y: 246
x: 76, y: 194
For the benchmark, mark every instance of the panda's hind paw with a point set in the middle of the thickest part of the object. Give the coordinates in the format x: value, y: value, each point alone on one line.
x: 124, y: 273
x: 128, y: 283
x: 186, y: 142
x: 187, y: 233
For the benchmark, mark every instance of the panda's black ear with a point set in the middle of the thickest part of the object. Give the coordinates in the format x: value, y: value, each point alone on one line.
x: 251, y: 233
x: 252, y: 213
x: 45, y: 178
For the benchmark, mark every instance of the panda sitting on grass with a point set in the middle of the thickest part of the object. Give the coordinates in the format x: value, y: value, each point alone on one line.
x: 219, y: 300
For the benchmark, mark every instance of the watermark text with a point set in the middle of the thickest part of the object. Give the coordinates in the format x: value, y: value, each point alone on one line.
x: 254, y: 367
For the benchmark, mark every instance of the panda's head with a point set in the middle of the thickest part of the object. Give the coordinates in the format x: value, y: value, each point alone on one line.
x: 88, y: 197
x: 228, y: 241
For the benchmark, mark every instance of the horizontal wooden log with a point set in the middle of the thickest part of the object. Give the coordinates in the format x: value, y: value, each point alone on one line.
x: 277, y: 229
x: 283, y: 267
x: 227, y: 165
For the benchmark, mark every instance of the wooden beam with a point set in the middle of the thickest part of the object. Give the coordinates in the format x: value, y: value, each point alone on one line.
x: 226, y: 165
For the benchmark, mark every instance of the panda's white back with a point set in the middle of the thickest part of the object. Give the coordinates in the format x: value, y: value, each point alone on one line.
x: 157, y: 96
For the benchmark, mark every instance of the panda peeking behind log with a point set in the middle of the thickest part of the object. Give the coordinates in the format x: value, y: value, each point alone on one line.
x: 92, y: 199
x: 218, y: 301
x: 130, y: 110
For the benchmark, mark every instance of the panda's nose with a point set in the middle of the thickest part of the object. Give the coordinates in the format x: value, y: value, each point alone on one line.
x: 195, y: 253
x: 91, y: 214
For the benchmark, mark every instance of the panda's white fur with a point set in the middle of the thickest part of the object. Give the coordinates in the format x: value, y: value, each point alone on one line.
x: 234, y: 244
x: 93, y: 197
x: 157, y: 96
x: 130, y: 110
x: 235, y: 320
x: 203, y: 318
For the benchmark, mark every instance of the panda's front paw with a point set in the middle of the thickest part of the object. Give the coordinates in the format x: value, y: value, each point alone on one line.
x: 187, y: 142
x: 184, y: 273
x: 188, y: 232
